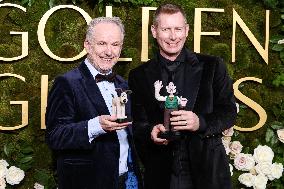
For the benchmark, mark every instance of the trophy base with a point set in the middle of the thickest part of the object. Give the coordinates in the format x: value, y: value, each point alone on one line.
x: 170, y: 135
x: 124, y: 120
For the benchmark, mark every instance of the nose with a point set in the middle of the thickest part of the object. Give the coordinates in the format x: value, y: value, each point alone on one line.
x: 173, y: 35
x: 108, y: 50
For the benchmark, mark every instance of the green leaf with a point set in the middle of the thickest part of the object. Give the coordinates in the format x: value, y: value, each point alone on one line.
x: 26, y: 166
x: 269, y: 134
x: 246, y: 150
x: 270, y: 137
x: 27, y: 150
x: 276, y: 38
x: 51, y: 3
x: 282, y: 10
x: 31, y: 2
x: 8, y: 148
x: 282, y: 56
x: 278, y: 47
x: 26, y: 159
x: 6, y: 151
x: 101, y: 8
x: 24, y: 2
x: 74, y: 2
x: 42, y: 176
x: 282, y: 16
x: 276, y: 127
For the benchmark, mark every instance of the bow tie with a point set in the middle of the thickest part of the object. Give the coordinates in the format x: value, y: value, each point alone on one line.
x: 109, y: 77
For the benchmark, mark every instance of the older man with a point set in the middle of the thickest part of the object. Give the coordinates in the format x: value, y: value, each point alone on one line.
x: 93, y: 151
x: 197, y: 160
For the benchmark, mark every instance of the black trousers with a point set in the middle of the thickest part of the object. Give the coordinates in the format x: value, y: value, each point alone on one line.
x: 181, y: 177
x: 121, y: 181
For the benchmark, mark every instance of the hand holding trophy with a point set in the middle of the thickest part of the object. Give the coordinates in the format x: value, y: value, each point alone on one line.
x: 172, y: 103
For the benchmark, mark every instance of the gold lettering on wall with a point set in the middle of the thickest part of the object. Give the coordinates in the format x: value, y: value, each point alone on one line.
x: 256, y: 107
x: 109, y: 14
x: 25, y: 106
x: 25, y: 38
x: 43, y: 100
x: 263, y: 52
x: 41, y: 27
x: 197, y: 26
x: 145, y: 29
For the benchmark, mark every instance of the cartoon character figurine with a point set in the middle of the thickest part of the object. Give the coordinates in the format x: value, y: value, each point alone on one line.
x: 118, y: 105
x: 172, y: 103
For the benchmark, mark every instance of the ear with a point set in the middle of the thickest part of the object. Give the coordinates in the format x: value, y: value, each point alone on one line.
x: 186, y: 29
x: 87, y: 46
x: 118, y: 90
x: 154, y: 31
x: 128, y: 91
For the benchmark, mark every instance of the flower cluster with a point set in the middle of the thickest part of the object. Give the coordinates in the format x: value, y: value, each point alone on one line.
x: 12, y: 175
x: 259, y: 165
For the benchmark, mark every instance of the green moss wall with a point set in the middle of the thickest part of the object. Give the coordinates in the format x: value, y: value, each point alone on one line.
x: 64, y: 33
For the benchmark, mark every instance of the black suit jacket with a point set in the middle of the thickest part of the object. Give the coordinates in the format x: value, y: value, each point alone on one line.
x: 208, y: 89
x: 73, y: 100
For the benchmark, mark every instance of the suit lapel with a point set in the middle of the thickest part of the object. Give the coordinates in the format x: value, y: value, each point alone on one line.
x: 153, y: 73
x: 193, y: 73
x: 92, y: 90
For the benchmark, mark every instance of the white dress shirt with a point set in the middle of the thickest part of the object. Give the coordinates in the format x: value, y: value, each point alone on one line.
x: 107, y: 89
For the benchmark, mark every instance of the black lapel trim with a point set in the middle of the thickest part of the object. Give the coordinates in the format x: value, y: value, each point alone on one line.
x: 153, y: 73
x: 192, y: 78
x: 92, y: 90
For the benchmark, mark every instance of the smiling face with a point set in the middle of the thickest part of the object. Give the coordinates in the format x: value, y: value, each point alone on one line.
x: 105, y: 46
x: 170, y: 32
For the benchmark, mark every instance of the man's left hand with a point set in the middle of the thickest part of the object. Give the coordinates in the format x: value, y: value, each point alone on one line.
x: 184, y: 120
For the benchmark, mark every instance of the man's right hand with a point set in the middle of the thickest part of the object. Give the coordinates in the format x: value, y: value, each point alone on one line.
x: 108, y: 123
x: 154, y: 135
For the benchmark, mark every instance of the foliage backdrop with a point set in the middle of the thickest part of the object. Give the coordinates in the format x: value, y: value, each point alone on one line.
x: 65, y: 32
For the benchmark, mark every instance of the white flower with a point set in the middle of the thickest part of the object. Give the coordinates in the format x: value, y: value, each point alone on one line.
x: 276, y: 171
x: 231, y: 169
x: 246, y: 179
x: 236, y: 148
x: 253, y: 171
x: 263, y: 154
x: 4, y: 163
x: 228, y: 132
x: 2, y: 183
x: 259, y: 181
x: 14, y: 175
x: 244, y: 162
x: 38, y: 186
x: 280, y: 134
x: 263, y: 168
x: 226, y: 143
x: 3, y: 168
x: 281, y: 41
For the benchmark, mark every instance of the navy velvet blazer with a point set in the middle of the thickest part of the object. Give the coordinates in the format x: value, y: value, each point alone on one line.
x: 209, y: 91
x: 73, y: 100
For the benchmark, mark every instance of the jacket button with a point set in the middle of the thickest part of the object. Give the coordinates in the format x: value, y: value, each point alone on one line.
x: 207, y: 136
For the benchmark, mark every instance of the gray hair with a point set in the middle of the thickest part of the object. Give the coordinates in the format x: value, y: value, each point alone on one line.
x: 95, y: 21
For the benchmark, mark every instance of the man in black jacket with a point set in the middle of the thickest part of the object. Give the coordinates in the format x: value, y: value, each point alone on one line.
x: 197, y: 160
x: 92, y: 150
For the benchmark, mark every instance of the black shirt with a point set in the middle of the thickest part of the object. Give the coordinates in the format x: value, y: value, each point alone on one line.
x: 173, y: 71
